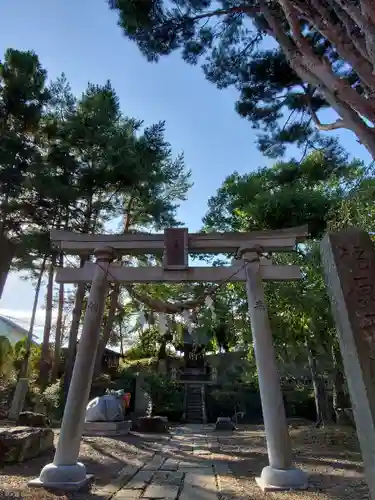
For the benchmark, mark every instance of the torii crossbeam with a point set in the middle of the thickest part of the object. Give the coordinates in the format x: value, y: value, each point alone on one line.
x: 156, y: 274
x: 283, y: 240
x: 175, y: 244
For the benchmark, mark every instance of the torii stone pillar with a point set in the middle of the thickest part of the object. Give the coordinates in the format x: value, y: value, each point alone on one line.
x: 66, y: 472
x: 280, y: 473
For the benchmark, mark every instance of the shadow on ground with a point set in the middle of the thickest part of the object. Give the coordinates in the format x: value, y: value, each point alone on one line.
x: 330, y: 456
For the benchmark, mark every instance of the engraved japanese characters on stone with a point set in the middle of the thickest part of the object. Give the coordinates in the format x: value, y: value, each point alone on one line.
x: 93, y: 307
x: 363, y: 292
x: 260, y: 305
x: 175, y: 247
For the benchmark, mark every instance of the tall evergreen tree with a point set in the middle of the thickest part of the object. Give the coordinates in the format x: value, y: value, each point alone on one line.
x: 23, y: 96
x: 312, y: 192
x: 287, y: 58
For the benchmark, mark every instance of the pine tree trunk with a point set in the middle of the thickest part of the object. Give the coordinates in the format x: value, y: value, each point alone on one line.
x: 162, y: 353
x: 29, y: 340
x: 320, y: 393
x: 108, y: 327
x: 59, y: 328
x: 73, y: 336
x: 45, y: 360
x: 88, y: 226
x: 17, y: 405
x: 7, y: 251
x: 121, y: 337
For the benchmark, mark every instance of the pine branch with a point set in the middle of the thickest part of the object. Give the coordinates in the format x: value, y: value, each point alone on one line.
x: 323, y: 126
x: 320, y: 17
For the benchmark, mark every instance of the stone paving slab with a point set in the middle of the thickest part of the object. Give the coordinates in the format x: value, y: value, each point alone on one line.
x: 155, y: 463
x: 170, y: 465
x: 165, y: 485
x: 120, y: 480
x: 180, y: 469
x: 128, y: 495
x: 199, y: 487
x: 197, y: 470
x: 183, y: 464
x: 140, y: 480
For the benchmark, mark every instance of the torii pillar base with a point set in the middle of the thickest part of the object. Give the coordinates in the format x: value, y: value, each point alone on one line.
x: 282, y: 479
x: 63, y: 478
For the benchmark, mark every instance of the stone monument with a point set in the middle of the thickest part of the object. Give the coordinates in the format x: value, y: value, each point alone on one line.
x: 349, y: 267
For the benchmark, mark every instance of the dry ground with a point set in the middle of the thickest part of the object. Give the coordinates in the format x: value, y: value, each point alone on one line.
x: 331, y: 457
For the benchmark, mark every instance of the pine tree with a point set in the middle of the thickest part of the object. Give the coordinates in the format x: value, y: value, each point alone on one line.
x: 289, y: 194
x: 323, y: 57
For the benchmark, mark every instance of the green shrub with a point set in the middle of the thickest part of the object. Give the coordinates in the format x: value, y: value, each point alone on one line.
x: 19, y: 353
x: 300, y: 402
x: 6, y: 357
x: 225, y: 401
x: 167, y: 396
x: 53, y: 399
x: 145, y: 365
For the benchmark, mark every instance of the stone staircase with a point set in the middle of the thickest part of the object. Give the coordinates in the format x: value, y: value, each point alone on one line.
x: 195, y: 411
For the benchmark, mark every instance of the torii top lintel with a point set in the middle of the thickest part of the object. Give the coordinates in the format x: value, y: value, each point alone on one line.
x: 283, y: 240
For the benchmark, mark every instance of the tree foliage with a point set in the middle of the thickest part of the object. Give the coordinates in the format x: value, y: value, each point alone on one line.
x: 76, y: 164
x: 287, y: 58
x: 287, y: 195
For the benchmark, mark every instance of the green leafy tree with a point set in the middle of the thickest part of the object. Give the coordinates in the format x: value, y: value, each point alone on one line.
x: 292, y: 194
x: 101, y: 143
x: 287, y: 195
x: 150, y: 203
x: 287, y: 58
x: 23, y: 95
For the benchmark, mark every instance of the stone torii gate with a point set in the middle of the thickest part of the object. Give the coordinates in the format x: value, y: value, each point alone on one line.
x: 175, y: 245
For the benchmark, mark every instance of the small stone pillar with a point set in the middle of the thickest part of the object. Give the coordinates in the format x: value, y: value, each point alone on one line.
x: 280, y: 473
x: 173, y: 373
x: 19, y: 398
x: 162, y: 366
x: 142, y: 401
x: 66, y: 473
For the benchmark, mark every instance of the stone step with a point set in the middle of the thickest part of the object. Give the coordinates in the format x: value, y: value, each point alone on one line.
x: 194, y: 404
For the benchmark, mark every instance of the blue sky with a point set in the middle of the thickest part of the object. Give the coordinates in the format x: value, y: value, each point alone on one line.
x: 82, y: 40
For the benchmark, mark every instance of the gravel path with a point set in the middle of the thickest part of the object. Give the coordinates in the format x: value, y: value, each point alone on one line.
x: 195, y: 463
